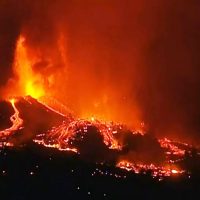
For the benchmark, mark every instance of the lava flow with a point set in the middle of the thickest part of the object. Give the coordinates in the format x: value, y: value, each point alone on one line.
x: 156, y: 171
x: 17, y: 122
x: 97, y: 141
x: 94, y: 140
x: 64, y: 134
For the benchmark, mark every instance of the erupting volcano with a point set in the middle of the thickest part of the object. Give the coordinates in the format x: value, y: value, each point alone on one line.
x: 36, y: 119
x: 94, y: 140
x: 111, y: 86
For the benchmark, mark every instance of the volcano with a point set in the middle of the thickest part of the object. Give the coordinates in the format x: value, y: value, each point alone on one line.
x: 26, y: 120
x: 99, y: 99
x: 39, y: 145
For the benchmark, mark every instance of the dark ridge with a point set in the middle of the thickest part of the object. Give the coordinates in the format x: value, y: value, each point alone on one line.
x: 6, y: 111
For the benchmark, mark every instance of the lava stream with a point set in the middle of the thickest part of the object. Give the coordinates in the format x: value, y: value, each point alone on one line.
x: 16, y: 121
x: 112, y: 143
x: 156, y: 171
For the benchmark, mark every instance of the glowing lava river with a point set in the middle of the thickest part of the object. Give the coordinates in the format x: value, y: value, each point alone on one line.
x: 16, y: 122
x: 105, y: 143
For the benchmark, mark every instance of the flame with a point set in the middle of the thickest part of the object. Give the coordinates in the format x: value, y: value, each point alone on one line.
x: 29, y: 83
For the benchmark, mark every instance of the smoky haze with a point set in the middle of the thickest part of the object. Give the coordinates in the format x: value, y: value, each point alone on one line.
x: 131, y: 60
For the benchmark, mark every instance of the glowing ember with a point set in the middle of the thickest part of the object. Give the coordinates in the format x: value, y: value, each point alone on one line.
x: 63, y: 137
x: 174, y: 171
x: 171, y: 148
x: 67, y: 131
x: 156, y: 171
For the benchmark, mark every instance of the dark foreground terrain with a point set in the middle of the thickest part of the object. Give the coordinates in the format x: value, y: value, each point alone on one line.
x: 35, y: 172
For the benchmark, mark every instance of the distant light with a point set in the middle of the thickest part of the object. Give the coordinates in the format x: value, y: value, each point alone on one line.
x: 174, y: 171
x: 31, y: 173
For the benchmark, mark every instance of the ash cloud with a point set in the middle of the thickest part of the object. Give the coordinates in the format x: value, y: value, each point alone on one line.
x: 139, y: 59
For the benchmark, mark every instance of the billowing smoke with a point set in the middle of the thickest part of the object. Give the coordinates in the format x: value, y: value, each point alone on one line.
x: 123, y: 60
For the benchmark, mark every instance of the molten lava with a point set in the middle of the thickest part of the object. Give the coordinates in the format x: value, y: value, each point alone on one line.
x: 157, y: 171
x: 115, y: 140
x: 17, y: 122
x: 62, y: 136
x: 72, y: 134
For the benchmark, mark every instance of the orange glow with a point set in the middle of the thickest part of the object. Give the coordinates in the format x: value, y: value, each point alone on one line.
x: 12, y: 101
x: 60, y: 137
x: 157, y: 171
x: 15, y: 119
x: 101, y: 71
x: 63, y: 136
x: 29, y: 82
x: 170, y: 147
x: 174, y: 171
x: 33, y: 91
x: 45, y: 72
